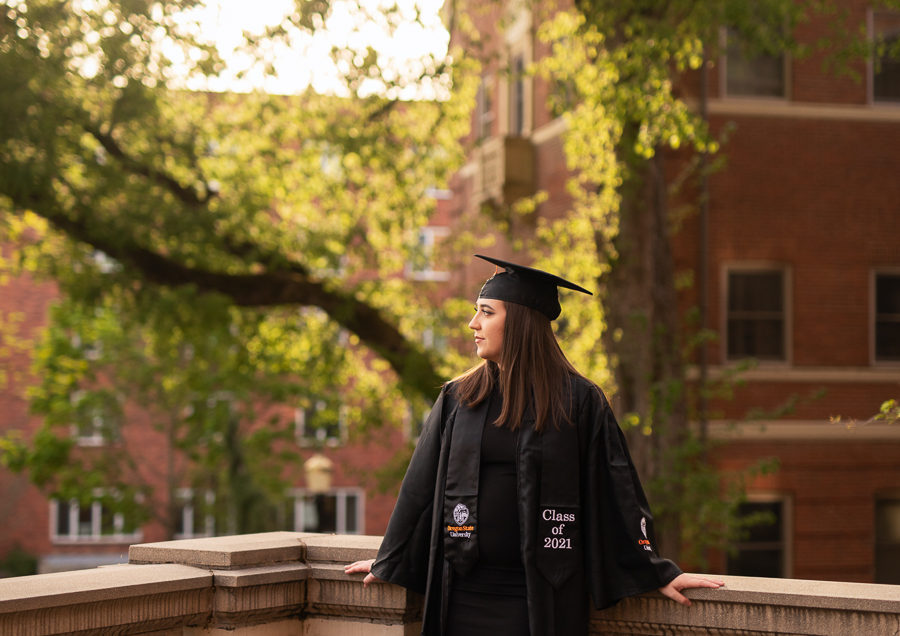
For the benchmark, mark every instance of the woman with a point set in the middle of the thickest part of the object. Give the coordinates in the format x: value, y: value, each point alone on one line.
x: 521, y: 501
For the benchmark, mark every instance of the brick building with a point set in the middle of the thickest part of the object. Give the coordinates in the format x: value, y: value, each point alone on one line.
x: 801, y: 268
x: 802, y: 263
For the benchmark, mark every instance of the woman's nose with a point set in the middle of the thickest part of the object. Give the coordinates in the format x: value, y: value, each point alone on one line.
x: 473, y: 323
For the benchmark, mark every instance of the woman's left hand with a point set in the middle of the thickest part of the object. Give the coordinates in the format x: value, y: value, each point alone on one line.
x: 687, y: 581
x: 362, y: 567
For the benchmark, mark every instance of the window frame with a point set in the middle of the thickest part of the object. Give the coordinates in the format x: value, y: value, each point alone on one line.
x: 892, y: 496
x: 485, y: 115
x: 723, y: 75
x: 871, y: 15
x: 515, y: 91
x: 429, y: 236
x: 787, y: 309
x: 185, y: 498
x: 873, y: 316
x: 103, y: 431
x: 787, y: 528
x: 306, y: 440
x: 341, y: 494
x: 96, y: 536
x: 415, y: 420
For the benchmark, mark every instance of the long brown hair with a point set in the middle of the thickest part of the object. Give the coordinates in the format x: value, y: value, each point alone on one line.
x: 533, y: 372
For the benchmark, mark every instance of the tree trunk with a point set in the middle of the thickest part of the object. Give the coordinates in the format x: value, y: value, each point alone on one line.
x: 642, y: 339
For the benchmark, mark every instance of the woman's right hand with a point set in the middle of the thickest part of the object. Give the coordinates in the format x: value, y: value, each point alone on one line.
x: 362, y: 566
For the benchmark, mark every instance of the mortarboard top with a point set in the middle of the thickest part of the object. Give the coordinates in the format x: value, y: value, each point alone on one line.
x: 527, y: 286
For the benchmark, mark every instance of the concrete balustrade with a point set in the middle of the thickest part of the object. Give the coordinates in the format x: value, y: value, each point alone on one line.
x: 294, y: 584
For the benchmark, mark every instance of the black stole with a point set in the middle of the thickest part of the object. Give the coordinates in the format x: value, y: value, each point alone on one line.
x: 460, y: 514
x: 558, y: 550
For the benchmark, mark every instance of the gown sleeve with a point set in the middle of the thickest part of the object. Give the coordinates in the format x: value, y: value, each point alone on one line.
x: 404, y: 552
x: 620, y: 545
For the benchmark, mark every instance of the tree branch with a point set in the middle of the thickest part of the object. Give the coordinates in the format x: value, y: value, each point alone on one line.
x: 184, y: 194
x: 267, y: 289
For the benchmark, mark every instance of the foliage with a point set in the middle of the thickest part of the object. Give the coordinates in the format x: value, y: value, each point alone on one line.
x: 305, y: 200
x: 18, y: 562
x: 214, y: 252
x: 110, y: 390
x: 624, y: 74
x: 888, y: 413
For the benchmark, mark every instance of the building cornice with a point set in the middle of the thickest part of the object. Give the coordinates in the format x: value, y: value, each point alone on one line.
x: 782, y: 373
x: 801, y: 110
x: 844, y: 430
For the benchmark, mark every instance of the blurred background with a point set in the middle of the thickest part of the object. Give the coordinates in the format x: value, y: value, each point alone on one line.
x: 237, y: 260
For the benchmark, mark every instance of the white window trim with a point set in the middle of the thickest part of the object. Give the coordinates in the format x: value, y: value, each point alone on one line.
x: 723, y: 76
x: 787, y: 528
x: 430, y: 235
x: 96, y: 519
x: 873, y: 275
x: 185, y: 497
x: 484, y: 117
x: 340, y: 495
x: 305, y: 440
x: 787, y: 299
x: 518, y: 44
x: 870, y: 64
x: 97, y: 437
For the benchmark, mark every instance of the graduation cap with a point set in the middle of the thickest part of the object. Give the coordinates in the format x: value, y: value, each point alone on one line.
x: 527, y: 286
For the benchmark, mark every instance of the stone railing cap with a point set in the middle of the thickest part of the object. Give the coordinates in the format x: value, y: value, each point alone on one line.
x: 251, y: 550
x: 340, y: 548
x: 837, y: 595
x: 223, y: 552
x: 98, y: 584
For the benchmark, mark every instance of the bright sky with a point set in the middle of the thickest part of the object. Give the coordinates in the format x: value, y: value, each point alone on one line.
x: 306, y: 61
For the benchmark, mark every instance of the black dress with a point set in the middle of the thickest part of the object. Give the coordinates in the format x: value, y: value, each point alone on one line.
x: 491, y: 598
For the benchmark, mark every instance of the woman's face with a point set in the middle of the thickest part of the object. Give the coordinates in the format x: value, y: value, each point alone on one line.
x: 490, y: 316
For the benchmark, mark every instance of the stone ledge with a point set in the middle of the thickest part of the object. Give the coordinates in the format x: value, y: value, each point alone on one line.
x: 757, y: 606
x: 340, y: 548
x: 121, y: 599
x: 834, y: 595
x: 107, y: 583
x: 223, y: 552
x: 287, y: 582
x: 262, y: 575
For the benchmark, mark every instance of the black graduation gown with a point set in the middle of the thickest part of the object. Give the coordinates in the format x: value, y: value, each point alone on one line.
x: 585, y: 524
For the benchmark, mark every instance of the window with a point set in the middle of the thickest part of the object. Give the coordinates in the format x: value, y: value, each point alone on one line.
x: 96, y: 418
x: 339, y: 511
x: 886, y: 65
x: 89, y: 522
x: 762, y: 551
x: 194, y: 517
x: 887, y: 540
x: 422, y: 261
x: 417, y: 413
x: 887, y: 317
x: 320, y: 424
x: 485, y: 108
x: 517, y: 96
x: 756, y: 324
x: 749, y: 72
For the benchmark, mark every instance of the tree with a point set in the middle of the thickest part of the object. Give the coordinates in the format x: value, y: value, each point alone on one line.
x: 213, y: 251
x: 268, y: 200
x: 630, y: 70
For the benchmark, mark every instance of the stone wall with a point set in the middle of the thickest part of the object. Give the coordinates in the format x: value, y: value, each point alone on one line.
x: 293, y: 584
